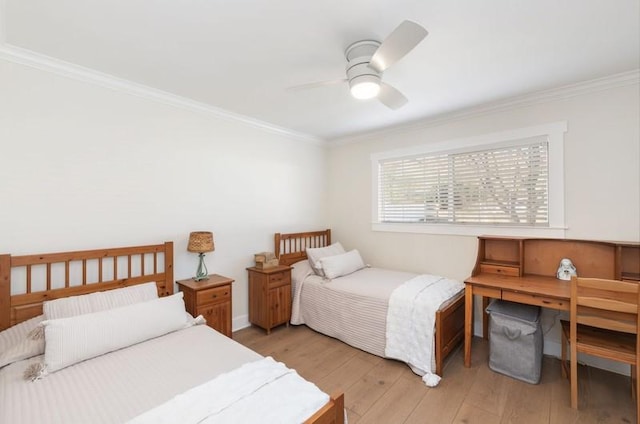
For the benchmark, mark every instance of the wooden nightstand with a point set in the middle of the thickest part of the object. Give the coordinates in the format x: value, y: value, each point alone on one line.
x: 210, y: 298
x: 269, y: 296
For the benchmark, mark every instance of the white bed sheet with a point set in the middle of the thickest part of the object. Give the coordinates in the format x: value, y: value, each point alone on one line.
x: 116, y: 387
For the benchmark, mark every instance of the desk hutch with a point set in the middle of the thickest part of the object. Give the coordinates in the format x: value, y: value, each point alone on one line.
x: 524, y: 270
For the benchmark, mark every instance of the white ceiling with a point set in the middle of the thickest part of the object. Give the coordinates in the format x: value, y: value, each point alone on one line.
x: 242, y: 55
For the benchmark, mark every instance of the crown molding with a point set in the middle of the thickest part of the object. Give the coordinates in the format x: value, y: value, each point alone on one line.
x: 32, y: 59
x: 538, y: 97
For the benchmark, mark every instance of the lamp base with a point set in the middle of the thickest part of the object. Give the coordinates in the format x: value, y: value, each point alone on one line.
x: 202, y: 273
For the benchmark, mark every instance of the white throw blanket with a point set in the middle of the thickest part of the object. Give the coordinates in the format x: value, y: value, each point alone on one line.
x: 411, y: 321
x: 263, y: 391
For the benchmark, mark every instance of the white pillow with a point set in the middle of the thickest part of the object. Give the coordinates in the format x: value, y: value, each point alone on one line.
x: 339, y: 265
x: 99, y: 301
x: 76, y: 339
x: 316, y: 253
x: 16, y: 343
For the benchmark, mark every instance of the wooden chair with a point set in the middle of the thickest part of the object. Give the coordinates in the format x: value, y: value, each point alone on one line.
x: 604, y: 322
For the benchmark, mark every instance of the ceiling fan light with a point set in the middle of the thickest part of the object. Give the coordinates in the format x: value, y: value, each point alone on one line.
x: 365, y: 87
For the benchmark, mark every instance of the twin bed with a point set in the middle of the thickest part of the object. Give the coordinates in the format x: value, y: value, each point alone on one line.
x: 143, y: 382
x: 354, y: 307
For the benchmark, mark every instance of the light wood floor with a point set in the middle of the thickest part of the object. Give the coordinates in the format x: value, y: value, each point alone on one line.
x: 385, y: 391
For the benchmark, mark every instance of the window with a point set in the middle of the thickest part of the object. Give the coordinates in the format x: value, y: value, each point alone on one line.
x: 502, y: 183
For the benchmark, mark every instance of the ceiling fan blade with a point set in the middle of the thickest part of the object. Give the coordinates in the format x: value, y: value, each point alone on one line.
x: 400, y: 42
x: 316, y: 84
x: 391, y: 97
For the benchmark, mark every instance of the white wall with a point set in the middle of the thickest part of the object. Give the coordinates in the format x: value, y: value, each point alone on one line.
x: 82, y: 167
x: 602, y: 182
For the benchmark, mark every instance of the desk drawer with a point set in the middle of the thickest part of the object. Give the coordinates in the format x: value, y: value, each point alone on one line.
x: 512, y: 271
x: 487, y: 292
x: 533, y: 299
x: 213, y: 295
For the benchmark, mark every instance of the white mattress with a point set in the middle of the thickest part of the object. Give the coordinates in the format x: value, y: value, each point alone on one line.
x: 116, y: 387
x: 352, y: 308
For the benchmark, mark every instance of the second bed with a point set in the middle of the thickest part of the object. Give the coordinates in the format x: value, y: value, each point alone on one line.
x: 353, y: 308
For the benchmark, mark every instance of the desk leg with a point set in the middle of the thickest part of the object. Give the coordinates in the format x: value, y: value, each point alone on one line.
x: 468, y: 323
x: 485, y: 318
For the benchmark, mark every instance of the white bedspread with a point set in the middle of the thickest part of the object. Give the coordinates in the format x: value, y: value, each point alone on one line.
x: 251, y: 393
x: 411, y: 320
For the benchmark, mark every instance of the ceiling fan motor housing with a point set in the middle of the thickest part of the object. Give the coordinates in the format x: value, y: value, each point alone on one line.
x: 358, y: 57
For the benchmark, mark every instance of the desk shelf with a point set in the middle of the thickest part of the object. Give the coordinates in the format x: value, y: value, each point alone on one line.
x: 629, y: 260
x: 499, y: 255
x: 534, y: 256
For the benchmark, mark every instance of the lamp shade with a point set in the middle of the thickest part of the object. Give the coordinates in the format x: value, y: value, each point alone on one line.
x: 201, y: 242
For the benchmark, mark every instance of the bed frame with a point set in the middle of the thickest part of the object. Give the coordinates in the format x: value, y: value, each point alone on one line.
x: 332, y: 412
x: 291, y: 248
x: 50, y: 276
x: 54, y: 275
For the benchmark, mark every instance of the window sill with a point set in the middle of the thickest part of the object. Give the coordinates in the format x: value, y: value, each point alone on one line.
x: 471, y: 230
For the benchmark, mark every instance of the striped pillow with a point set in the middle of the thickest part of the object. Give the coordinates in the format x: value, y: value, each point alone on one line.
x: 99, y: 301
x: 76, y: 339
x: 15, y: 343
x: 344, y: 264
x: 316, y: 253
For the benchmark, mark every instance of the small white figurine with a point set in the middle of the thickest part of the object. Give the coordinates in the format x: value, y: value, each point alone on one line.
x: 566, y: 270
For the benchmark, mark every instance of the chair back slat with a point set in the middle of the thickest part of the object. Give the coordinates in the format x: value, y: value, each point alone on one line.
x: 608, y: 304
x: 627, y: 326
x: 617, y: 286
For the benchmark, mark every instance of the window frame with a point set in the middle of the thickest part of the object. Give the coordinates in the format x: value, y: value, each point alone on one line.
x: 554, y: 132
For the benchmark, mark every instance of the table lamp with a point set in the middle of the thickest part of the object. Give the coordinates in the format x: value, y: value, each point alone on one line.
x: 201, y: 242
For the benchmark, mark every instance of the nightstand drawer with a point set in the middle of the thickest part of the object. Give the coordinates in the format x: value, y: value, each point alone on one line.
x: 279, y: 279
x: 213, y: 295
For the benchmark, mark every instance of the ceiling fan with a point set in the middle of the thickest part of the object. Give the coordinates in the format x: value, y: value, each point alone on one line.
x: 368, y: 59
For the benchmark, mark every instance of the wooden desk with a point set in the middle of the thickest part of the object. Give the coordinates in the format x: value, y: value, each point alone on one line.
x: 524, y: 270
x: 529, y: 289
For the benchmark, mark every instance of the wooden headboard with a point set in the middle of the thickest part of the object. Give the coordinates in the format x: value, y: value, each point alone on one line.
x: 291, y: 248
x: 54, y: 275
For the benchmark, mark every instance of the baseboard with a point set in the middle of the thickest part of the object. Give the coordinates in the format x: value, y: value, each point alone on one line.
x: 238, y: 323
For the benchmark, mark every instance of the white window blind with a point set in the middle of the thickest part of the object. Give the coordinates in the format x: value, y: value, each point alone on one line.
x: 506, y: 185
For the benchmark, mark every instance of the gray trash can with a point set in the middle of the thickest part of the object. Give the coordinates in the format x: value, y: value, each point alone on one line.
x: 515, y: 340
